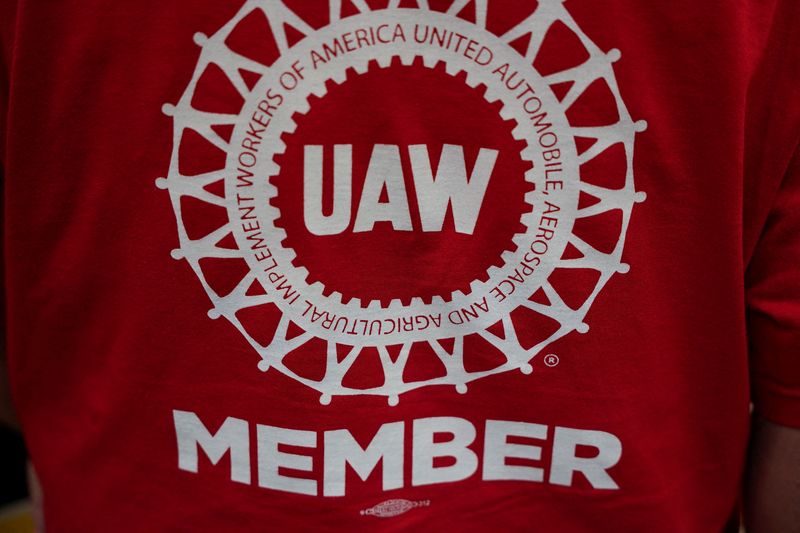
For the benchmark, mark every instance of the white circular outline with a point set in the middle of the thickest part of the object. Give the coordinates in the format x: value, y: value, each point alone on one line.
x: 599, y: 66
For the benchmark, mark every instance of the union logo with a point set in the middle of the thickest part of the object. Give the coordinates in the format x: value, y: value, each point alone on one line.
x: 386, y: 196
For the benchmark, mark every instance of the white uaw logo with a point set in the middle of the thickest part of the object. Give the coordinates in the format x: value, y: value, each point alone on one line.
x: 347, y: 47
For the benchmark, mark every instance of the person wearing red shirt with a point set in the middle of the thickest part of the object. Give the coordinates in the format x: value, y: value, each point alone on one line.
x: 405, y: 264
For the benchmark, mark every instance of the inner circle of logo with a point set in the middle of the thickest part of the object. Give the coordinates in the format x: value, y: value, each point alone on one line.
x: 497, y: 301
x: 375, y: 117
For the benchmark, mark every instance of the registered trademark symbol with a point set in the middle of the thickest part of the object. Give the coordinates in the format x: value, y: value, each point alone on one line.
x: 551, y: 360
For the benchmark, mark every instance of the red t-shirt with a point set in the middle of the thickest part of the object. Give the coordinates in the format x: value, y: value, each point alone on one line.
x: 294, y: 264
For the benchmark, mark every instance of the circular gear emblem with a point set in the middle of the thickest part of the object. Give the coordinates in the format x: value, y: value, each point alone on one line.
x: 386, y: 197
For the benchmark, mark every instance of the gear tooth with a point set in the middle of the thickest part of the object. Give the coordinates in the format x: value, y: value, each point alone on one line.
x: 290, y: 254
x: 374, y: 305
x: 384, y: 61
x: 507, y: 114
x: 395, y: 304
x: 457, y: 295
x: 491, y: 95
x: 531, y: 197
x: 518, y: 132
x: 473, y: 81
x: 315, y: 290
x: 272, y: 212
x: 494, y: 272
x: 475, y: 285
x: 507, y: 256
x: 336, y: 297
x: 319, y: 90
x: 361, y: 66
x: 528, y: 153
x: 529, y: 220
x: 452, y: 68
x: 407, y: 59
x: 279, y: 147
x: 417, y: 301
x: 303, y: 106
x: 429, y: 62
x: 530, y: 176
x: 302, y: 272
x: 291, y: 126
x: 518, y: 240
x: 317, y: 287
x: 280, y: 235
x: 355, y: 302
x: 272, y: 168
x: 437, y: 300
x: 339, y: 77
